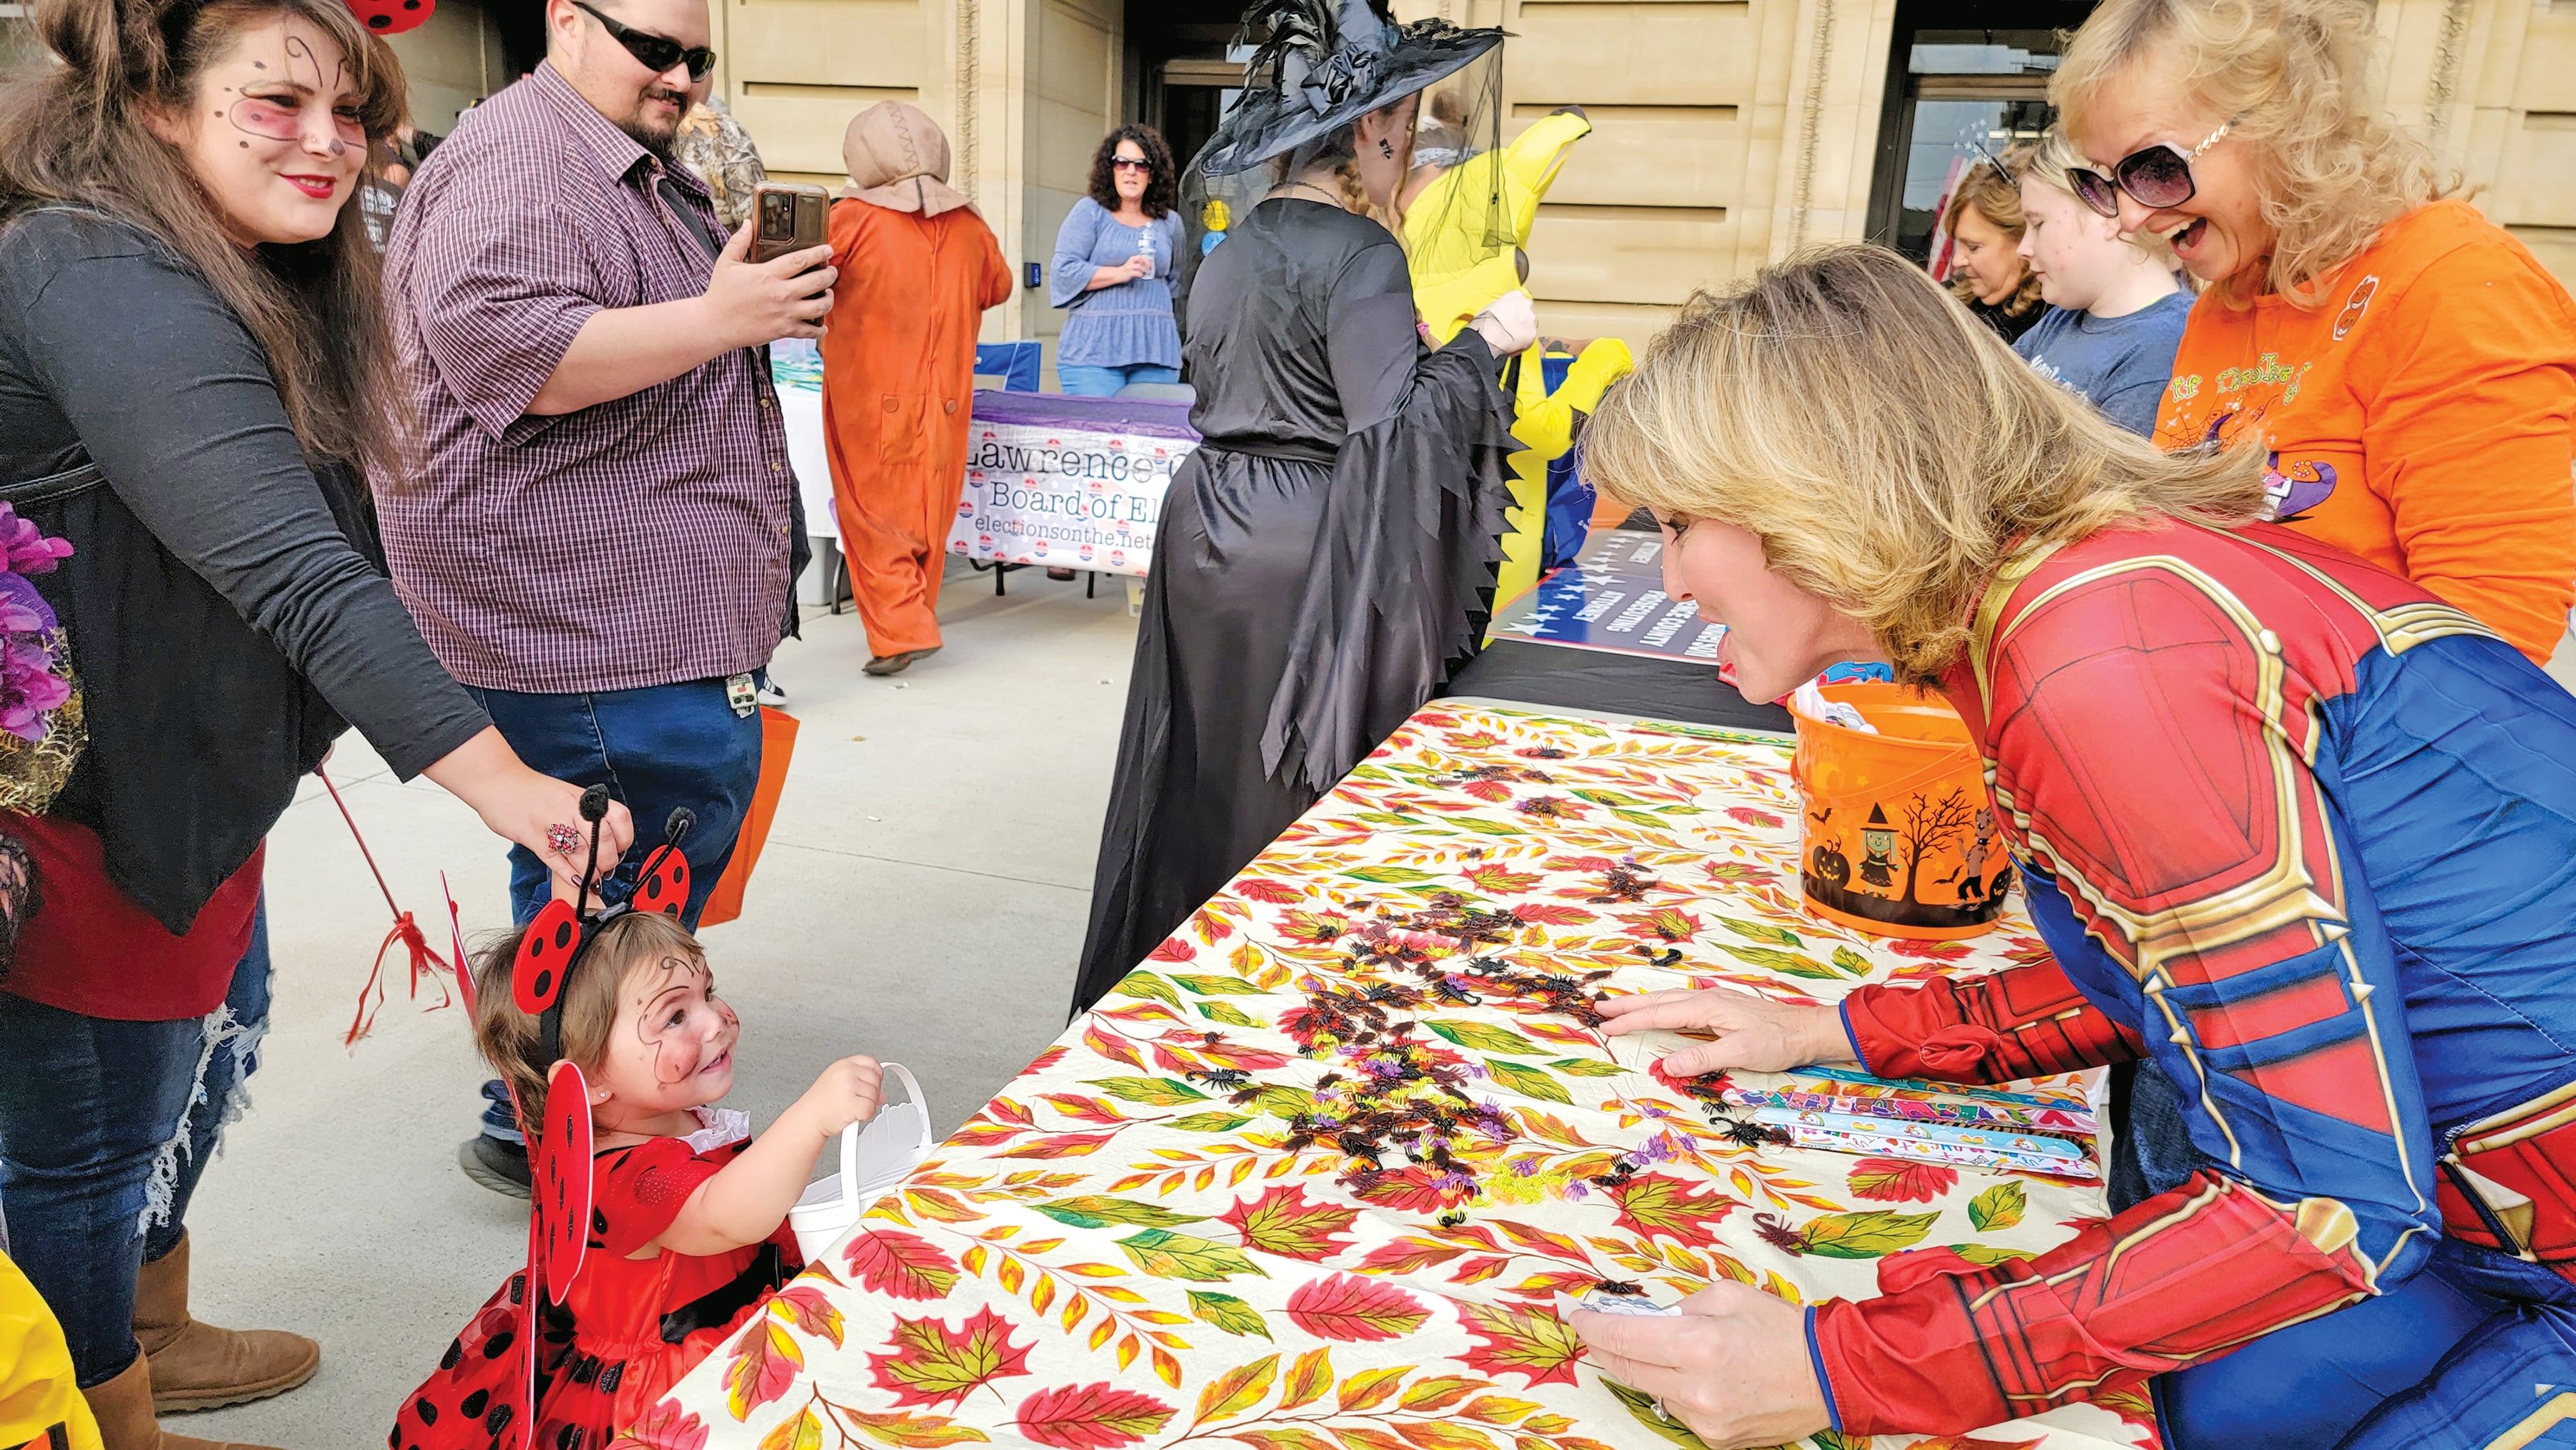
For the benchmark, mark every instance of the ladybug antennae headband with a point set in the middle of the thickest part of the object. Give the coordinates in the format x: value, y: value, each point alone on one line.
x: 562, y: 934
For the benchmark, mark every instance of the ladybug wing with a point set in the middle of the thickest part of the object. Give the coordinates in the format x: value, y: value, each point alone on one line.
x: 562, y: 1182
x: 546, y: 949
x: 517, y: 1427
x: 663, y: 884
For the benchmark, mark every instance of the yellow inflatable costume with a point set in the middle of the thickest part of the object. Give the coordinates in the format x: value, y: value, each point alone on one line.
x: 1460, y: 267
x: 40, y: 1402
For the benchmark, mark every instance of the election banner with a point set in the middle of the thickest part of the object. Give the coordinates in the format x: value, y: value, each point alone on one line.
x: 1612, y: 598
x: 1070, y: 482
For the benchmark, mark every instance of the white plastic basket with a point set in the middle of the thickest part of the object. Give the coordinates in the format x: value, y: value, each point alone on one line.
x: 875, y: 1155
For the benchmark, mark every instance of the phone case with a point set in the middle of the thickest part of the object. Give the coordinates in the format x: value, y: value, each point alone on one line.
x: 789, y: 217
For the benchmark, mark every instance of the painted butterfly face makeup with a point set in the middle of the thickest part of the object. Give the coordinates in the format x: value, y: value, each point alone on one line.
x: 282, y: 116
x: 276, y: 135
x: 672, y: 1045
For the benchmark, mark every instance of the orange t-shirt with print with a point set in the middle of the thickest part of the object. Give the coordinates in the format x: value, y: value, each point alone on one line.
x: 2423, y: 417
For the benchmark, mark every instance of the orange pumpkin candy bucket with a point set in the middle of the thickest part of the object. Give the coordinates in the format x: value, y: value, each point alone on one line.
x: 1898, y: 835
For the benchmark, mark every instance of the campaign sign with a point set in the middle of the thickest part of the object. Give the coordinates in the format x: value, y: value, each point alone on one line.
x: 1612, y: 598
x: 1075, y: 482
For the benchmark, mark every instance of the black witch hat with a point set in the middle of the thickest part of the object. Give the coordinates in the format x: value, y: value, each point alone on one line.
x: 1322, y: 64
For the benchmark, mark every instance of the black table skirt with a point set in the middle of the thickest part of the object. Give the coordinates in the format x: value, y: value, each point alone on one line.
x: 1598, y: 682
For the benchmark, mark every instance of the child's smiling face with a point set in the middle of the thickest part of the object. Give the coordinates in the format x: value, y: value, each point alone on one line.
x: 671, y: 1048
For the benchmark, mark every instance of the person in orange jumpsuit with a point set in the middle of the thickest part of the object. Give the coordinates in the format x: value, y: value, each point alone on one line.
x: 918, y: 266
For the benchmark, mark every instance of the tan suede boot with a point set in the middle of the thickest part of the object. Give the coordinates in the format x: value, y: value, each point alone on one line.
x: 123, y: 1407
x: 199, y: 1367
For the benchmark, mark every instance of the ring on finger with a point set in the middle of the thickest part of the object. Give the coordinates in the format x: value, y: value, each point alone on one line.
x: 563, y: 840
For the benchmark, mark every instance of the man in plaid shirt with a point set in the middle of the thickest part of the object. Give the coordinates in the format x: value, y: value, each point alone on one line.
x: 596, y: 529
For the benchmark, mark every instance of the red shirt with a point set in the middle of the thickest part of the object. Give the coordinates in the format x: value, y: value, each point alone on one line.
x: 88, y: 949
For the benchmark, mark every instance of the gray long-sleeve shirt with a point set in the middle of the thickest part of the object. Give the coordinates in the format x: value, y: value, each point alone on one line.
x: 112, y: 349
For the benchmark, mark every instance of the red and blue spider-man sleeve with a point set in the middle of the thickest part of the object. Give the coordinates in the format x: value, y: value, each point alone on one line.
x: 2151, y: 740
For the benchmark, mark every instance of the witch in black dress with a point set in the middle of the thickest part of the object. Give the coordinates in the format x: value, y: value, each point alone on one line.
x: 1327, y: 556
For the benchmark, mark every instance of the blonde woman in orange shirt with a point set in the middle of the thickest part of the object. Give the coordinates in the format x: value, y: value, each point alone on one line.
x: 2409, y: 365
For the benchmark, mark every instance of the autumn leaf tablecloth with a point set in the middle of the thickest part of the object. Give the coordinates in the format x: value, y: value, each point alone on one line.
x: 1313, y: 1177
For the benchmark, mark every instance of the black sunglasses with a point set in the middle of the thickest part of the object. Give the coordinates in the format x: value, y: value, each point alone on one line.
x: 2156, y: 178
x: 1125, y: 163
x: 658, y: 53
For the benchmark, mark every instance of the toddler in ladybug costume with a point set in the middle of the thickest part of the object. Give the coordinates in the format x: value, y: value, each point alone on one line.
x: 660, y: 1222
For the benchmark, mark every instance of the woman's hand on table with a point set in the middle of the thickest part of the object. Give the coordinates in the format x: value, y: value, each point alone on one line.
x: 1753, y: 1033
x: 1732, y: 1365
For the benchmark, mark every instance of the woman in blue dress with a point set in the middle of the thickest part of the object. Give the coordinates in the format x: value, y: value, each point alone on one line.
x: 1113, y: 268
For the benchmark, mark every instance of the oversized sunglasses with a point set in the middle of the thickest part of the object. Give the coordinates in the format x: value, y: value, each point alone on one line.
x: 2156, y: 177
x: 658, y: 53
x: 1130, y: 163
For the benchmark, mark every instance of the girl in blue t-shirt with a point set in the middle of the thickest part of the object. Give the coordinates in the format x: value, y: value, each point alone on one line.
x: 2115, y: 309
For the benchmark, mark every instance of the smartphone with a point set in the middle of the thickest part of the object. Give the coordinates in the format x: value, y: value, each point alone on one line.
x: 790, y: 218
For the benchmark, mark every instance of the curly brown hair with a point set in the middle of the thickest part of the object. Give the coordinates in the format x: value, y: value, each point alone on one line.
x: 1162, y: 180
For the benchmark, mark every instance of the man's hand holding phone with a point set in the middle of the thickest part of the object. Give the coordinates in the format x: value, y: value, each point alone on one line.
x: 752, y: 303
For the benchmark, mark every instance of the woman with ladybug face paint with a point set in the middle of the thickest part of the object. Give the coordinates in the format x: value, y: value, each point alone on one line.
x: 195, y: 379
x: 277, y: 138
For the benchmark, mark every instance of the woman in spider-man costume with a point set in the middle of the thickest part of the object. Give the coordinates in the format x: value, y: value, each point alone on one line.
x: 2300, y: 837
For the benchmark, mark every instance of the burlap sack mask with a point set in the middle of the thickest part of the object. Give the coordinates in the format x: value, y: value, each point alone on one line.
x: 898, y: 157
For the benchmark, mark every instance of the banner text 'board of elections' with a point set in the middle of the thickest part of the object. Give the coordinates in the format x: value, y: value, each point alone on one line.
x: 1070, y: 482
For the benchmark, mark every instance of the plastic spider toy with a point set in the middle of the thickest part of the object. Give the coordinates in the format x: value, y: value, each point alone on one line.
x: 1226, y: 1078
x: 1776, y: 1232
x: 1746, y: 1133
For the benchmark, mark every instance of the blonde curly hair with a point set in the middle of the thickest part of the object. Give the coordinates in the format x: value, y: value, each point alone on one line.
x: 1886, y: 447
x: 2331, y: 169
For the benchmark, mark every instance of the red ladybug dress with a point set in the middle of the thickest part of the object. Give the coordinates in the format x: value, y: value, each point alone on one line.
x: 629, y: 1329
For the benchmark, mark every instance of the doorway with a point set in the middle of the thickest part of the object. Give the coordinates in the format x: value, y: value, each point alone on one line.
x: 1179, y: 79
x: 1965, y: 80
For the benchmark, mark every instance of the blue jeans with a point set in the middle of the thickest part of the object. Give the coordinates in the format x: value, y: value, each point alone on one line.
x: 1097, y: 382
x: 654, y: 748
x: 104, y: 1129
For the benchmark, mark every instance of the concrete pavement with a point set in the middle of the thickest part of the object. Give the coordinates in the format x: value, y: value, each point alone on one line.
x: 922, y: 899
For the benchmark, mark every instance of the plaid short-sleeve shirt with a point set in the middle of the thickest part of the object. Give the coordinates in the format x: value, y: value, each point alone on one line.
x: 640, y: 541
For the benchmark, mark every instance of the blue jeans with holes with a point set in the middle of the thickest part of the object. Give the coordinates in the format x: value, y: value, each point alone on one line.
x: 105, y: 1127
x: 654, y: 748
